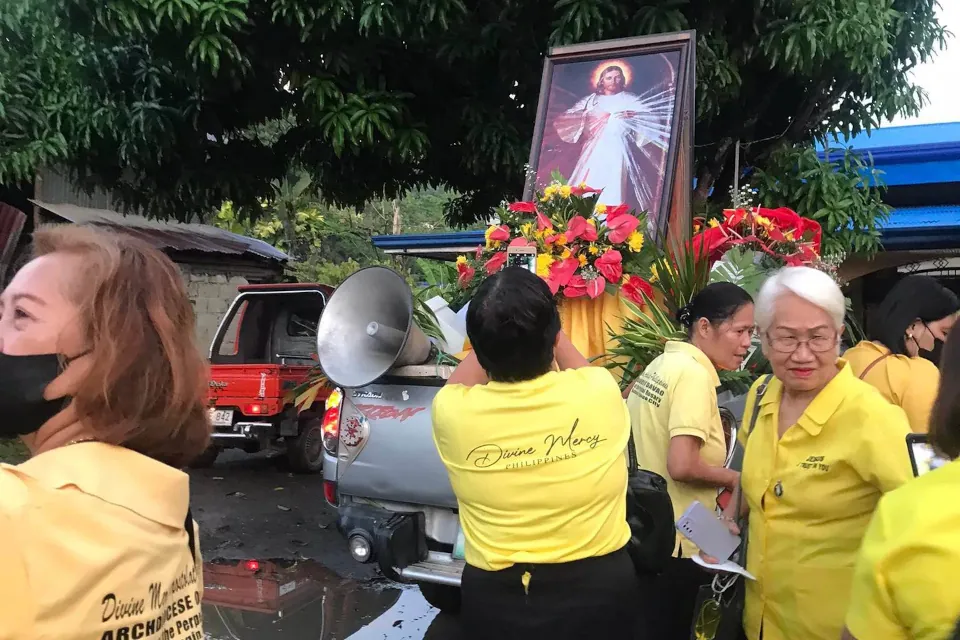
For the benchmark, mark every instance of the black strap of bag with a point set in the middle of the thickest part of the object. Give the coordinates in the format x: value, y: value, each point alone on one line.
x: 718, y: 611
x: 191, y: 536
x: 650, y: 516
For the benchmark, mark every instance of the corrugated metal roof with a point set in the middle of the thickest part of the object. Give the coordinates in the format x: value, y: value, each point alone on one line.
x: 911, y: 135
x: 176, y: 236
x: 924, y: 217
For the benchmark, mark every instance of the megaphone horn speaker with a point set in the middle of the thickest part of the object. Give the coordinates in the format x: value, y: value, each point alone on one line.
x: 367, y: 329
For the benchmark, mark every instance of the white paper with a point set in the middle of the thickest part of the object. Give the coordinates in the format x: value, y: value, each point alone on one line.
x: 727, y: 566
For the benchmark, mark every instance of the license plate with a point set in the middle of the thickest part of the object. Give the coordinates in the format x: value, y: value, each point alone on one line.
x: 221, y: 417
x: 458, y: 547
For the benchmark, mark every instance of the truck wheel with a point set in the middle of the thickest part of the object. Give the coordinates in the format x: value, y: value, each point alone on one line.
x: 305, y: 452
x: 206, y: 459
x: 441, y: 596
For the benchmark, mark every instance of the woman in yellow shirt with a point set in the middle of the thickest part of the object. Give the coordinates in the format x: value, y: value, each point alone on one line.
x: 904, y: 586
x: 534, y: 441
x: 101, y: 379
x: 906, y: 336
x: 679, y: 435
x: 825, y: 447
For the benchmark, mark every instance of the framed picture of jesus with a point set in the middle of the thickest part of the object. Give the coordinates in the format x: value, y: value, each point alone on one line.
x: 617, y: 116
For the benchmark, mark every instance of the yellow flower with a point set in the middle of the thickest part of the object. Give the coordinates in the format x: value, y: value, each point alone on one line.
x: 544, y: 260
x: 653, y: 273
x: 525, y: 228
x: 714, y: 223
x: 565, y: 191
x: 461, y: 259
x: 549, y: 192
x: 789, y: 235
x: 561, y: 239
x: 601, y: 209
x: 594, y: 250
x: 583, y: 260
x: 566, y: 254
x: 582, y: 185
x: 540, y: 234
x: 635, y: 241
x: 763, y: 222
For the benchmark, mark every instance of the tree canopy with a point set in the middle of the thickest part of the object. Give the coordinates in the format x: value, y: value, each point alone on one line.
x: 179, y: 105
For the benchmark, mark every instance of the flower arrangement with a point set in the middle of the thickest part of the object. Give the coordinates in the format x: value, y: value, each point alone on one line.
x: 583, y: 248
x: 780, y: 234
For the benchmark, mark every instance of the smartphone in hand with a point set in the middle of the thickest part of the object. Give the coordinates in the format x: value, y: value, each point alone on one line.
x: 702, y: 527
x: 523, y: 257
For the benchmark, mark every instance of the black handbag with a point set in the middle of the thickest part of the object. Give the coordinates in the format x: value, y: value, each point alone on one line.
x: 650, y: 516
x: 718, y: 612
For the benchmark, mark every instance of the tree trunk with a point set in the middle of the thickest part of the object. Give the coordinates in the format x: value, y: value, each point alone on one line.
x: 396, y: 217
x: 290, y: 232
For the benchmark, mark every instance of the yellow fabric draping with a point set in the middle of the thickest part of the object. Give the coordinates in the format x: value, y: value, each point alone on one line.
x: 588, y: 322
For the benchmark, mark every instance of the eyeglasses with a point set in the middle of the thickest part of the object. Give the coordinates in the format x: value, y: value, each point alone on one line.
x: 789, y: 344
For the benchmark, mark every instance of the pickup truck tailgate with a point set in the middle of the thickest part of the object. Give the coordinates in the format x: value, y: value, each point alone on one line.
x: 386, y: 447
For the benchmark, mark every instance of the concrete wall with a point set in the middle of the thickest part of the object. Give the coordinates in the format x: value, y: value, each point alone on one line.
x: 211, y: 291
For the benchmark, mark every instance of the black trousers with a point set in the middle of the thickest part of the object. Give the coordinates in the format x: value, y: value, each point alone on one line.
x: 589, y: 598
x: 668, y: 601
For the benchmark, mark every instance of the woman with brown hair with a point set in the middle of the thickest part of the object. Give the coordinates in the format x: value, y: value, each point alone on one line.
x: 101, y: 378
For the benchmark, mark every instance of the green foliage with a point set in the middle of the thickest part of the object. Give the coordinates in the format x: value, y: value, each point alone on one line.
x: 840, y: 193
x: 13, y: 452
x: 742, y: 268
x: 440, y: 279
x: 179, y: 105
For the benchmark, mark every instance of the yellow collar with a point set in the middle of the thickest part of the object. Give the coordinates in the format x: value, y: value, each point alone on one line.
x: 116, y: 475
x: 822, y: 407
x: 675, y: 346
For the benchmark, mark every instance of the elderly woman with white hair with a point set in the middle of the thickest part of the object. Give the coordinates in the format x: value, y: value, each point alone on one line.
x: 824, y: 447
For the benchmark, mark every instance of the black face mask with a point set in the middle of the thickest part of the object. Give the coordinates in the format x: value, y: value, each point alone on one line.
x: 933, y: 355
x: 23, y: 380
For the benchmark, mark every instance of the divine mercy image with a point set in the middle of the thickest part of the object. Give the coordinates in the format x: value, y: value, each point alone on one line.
x: 608, y: 124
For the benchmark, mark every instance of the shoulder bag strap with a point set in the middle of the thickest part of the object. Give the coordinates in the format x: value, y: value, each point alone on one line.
x: 191, y: 536
x: 873, y: 364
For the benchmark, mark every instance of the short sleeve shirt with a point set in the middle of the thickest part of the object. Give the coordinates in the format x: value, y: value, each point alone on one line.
x: 676, y: 395
x: 93, y: 545
x: 909, y: 383
x: 811, y: 494
x: 538, y: 467
x: 905, y: 582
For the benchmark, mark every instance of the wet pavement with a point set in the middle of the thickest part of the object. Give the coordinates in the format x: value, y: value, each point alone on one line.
x: 276, y: 566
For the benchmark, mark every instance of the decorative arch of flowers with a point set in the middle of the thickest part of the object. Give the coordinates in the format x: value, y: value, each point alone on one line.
x: 583, y: 248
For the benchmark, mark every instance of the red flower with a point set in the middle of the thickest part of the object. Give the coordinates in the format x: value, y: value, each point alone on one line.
x: 808, y: 225
x: 500, y: 234
x: 589, y: 232
x: 576, y: 227
x: 465, y: 275
x: 610, y: 265
x: 582, y: 191
x: 521, y: 242
x: 575, y: 288
x: 710, y: 242
x: 733, y: 217
x: 595, y: 286
x: 794, y: 260
x: 561, y: 272
x: 479, y: 252
x: 496, y: 262
x: 614, y: 212
x: 635, y: 288
x: 621, y: 226
x: 523, y: 207
x: 543, y: 222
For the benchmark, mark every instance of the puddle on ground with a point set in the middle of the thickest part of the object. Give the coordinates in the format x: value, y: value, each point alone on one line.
x: 285, y: 600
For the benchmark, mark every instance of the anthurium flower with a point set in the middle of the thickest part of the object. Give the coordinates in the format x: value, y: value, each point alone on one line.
x: 711, y: 242
x: 496, y: 262
x: 465, y: 274
x: 590, y: 231
x: 619, y: 210
x: 576, y: 288
x: 521, y: 242
x: 635, y: 288
x: 621, y: 226
x: 523, y: 207
x: 543, y: 222
x: 733, y: 217
x: 560, y: 273
x: 596, y: 285
x: 576, y: 227
x: 610, y: 265
x: 498, y: 233
x: 582, y: 189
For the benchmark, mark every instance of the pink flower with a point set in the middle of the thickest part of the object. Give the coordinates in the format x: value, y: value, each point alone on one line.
x: 635, y: 288
x: 595, y: 286
x: 479, y: 251
x: 465, y: 275
x: 523, y: 207
x: 500, y: 234
x: 589, y: 232
x: 496, y: 262
x: 521, y: 242
x: 543, y: 222
x: 615, y: 212
x: 576, y: 227
x: 610, y: 265
x: 561, y: 272
x: 621, y: 226
x: 582, y: 191
x: 576, y: 288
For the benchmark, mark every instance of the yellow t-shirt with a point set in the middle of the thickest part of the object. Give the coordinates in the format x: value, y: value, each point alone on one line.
x: 676, y: 395
x: 811, y: 495
x: 905, y: 583
x: 538, y: 467
x: 909, y: 383
x: 93, y: 545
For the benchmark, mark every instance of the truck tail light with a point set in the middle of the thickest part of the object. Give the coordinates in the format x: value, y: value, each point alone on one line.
x: 330, y: 492
x: 254, y: 410
x: 331, y: 422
